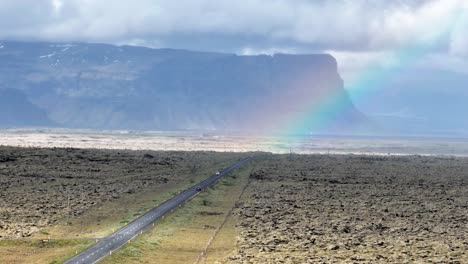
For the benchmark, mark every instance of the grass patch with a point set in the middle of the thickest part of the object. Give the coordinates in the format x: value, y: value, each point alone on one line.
x: 182, y: 236
x: 72, y: 235
x: 41, y: 251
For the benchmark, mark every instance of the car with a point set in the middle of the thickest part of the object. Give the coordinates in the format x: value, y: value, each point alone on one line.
x: 199, y: 188
x: 217, y: 173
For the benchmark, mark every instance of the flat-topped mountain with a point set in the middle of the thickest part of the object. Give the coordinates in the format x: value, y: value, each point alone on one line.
x: 125, y: 87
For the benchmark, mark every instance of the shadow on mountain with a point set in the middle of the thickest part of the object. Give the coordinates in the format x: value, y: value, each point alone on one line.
x: 17, y: 111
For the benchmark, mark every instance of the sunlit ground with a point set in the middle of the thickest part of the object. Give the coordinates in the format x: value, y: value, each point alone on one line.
x: 192, y: 141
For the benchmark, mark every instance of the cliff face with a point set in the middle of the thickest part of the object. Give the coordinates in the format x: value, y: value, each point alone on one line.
x: 111, y: 87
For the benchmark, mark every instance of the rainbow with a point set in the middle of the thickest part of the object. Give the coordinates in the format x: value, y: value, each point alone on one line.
x: 320, y: 111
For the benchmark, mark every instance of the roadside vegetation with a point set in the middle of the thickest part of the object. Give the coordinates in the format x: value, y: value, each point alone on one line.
x: 202, y: 231
x: 81, y: 195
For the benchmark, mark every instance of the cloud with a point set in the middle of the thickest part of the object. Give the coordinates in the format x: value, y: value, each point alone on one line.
x: 336, y: 24
x: 352, y: 64
x: 444, y: 62
x: 459, y: 36
x: 359, y: 33
x: 247, y: 51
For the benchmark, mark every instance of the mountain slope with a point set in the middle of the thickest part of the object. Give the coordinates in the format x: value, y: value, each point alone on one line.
x: 17, y: 111
x: 124, y: 87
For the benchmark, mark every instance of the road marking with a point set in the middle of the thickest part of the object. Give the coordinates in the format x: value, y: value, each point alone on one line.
x: 158, y: 214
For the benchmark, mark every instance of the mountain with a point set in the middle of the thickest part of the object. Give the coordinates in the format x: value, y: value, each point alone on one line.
x: 78, y: 85
x: 18, y: 111
x: 432, y: 103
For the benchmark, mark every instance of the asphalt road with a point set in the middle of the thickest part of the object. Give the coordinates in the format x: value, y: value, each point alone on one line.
x: 110, y: 244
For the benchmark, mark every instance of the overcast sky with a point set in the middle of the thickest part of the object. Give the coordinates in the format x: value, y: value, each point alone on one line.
x: 359, y: 33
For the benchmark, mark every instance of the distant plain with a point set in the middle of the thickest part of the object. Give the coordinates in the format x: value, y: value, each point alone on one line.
x: 232, y: 142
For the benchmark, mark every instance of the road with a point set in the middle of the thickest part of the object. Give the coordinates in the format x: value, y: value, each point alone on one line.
x: 110, y: 244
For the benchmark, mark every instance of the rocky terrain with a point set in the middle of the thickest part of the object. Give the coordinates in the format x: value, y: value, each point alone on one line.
x: 355, y: 209
x: 38, y: 187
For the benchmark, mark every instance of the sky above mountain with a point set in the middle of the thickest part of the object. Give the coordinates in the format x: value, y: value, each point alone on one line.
x: 367, y: 30
x: 373, y: 41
